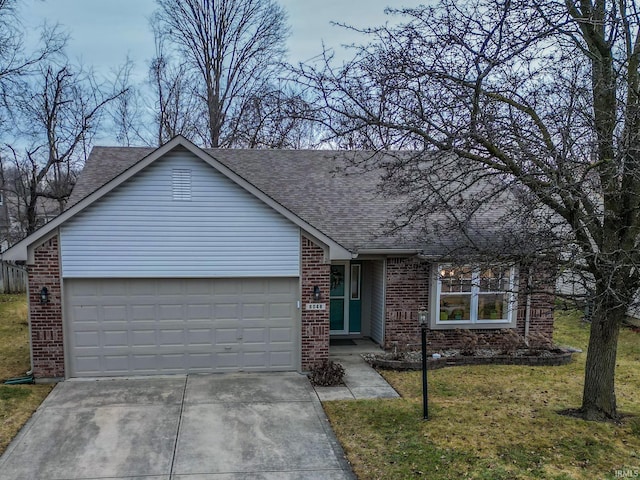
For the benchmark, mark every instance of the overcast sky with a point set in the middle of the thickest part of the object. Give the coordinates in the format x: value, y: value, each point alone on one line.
x: 104, y: 32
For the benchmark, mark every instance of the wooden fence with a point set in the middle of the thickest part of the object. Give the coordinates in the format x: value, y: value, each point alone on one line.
x: 13, y: 279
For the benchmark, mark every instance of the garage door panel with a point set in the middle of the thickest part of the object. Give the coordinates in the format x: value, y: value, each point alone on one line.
x: 161, y: 326
x: 255, y: 335
x: 227, y: 361
x: 116, y: 338
x: 172, y: 338
x: 119, y: 364
x: 280, y: 359
x: 114, y: 312
x: 281, y: 310
x: 200, y: 336
x: 89, y: 364
x: 228, y: 336
x: 226, y: 310
x: 85, y: 313
x: 281, y: 335
x: 87, y: 339
x: 254, y: 310
x: 198, y: 311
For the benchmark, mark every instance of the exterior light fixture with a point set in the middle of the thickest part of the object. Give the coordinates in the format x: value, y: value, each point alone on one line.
x: 423, y: 320
x: 44, y: 295
x: 316, y: 293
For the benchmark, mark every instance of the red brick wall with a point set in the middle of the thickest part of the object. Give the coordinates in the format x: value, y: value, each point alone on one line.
x: 315, y: 323
x: 542, y: 299
x: 408, y: 291
x: 47, y: 347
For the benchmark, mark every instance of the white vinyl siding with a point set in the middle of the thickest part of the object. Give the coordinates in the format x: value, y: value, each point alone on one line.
x: 145, y: 228
x: 377, y: 301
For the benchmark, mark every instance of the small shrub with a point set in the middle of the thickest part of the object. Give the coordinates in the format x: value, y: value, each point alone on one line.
x: 540, y: 341
x: 327, y: 374
x: 469, y: 341
x: 510, y: 341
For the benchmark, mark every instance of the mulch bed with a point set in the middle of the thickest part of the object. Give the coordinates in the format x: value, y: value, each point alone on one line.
x: 413, y: 360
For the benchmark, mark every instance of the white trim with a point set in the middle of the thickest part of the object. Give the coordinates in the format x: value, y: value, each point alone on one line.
x: 359, y: 277
x: 19, y: 251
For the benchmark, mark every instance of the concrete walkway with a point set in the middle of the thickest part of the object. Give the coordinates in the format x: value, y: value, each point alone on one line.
x: 361, y: 381
x: 200, y: 427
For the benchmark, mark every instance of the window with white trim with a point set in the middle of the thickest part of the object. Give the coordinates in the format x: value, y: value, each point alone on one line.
x: 483, y: 297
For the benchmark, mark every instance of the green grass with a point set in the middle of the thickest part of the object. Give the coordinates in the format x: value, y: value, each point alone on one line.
x: 17, y: 402
x: 496, y: 422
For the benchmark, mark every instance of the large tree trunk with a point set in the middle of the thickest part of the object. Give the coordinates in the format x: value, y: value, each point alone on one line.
x: 599, y: 397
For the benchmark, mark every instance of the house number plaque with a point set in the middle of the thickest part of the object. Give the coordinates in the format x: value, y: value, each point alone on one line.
x: 315, y: 306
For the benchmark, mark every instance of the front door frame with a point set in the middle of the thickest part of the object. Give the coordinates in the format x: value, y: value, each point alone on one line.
x: 347, y: 300
x: 345, y: 297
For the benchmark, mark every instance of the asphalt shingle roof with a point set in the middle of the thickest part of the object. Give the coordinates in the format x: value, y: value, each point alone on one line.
x: 316, y: 185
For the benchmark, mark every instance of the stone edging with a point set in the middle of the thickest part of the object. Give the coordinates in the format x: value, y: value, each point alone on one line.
x: 562, y: 358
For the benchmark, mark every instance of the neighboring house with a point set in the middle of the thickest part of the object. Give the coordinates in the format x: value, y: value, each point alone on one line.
x: 183, y: 260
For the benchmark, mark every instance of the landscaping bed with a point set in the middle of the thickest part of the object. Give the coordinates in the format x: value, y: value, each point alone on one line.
x: 412, y: 360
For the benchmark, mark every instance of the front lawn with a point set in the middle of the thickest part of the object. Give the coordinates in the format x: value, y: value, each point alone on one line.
x: 496, y: 422
x: 17, y: 402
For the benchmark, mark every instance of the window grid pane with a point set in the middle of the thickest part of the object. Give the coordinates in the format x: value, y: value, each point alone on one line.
x: 455, y: 307
x: 456, y: 280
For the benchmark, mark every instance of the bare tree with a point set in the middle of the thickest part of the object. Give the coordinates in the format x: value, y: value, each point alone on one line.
x: 126, y: 110
x: 15, y: 64
x: 542, y: 96
x: 57, y: 113
x: 178, y: 109
x: 233, y: 47
x: 274, y: 117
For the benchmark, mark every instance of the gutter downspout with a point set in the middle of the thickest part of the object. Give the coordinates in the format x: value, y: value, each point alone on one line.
x: 527, y: 313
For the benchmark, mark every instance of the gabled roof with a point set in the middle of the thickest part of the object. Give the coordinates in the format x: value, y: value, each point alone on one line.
x: 309, y: 183
x: 316, y: 189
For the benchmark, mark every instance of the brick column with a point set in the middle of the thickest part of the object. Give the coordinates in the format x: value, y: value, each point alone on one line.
x: 542, y: 298
x: 407, y: 290
x: 47, y: 346
x: 315, y: 323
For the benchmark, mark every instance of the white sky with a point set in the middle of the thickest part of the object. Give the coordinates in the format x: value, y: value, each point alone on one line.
x: 104, y: 32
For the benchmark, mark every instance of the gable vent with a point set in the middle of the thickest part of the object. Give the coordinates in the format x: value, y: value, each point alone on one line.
x: 181, y: 184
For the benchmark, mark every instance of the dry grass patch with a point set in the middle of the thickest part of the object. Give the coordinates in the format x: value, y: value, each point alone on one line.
x: 495, y: 422
x: 17, y: 402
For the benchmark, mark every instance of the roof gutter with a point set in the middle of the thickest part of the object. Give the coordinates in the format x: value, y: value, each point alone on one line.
x: 388, y: 251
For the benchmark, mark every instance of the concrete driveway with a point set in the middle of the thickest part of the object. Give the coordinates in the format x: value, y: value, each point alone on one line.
x: 200, y: 427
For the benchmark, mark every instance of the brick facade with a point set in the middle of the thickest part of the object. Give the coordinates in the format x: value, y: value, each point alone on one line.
x: 46, y: 319
x: 315, y: 323
x: 407, y: 290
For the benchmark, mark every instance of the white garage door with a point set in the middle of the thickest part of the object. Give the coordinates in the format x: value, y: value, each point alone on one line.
x: 121, y: 327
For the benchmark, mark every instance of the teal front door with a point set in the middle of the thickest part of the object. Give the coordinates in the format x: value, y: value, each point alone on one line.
x: 345, y: 304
